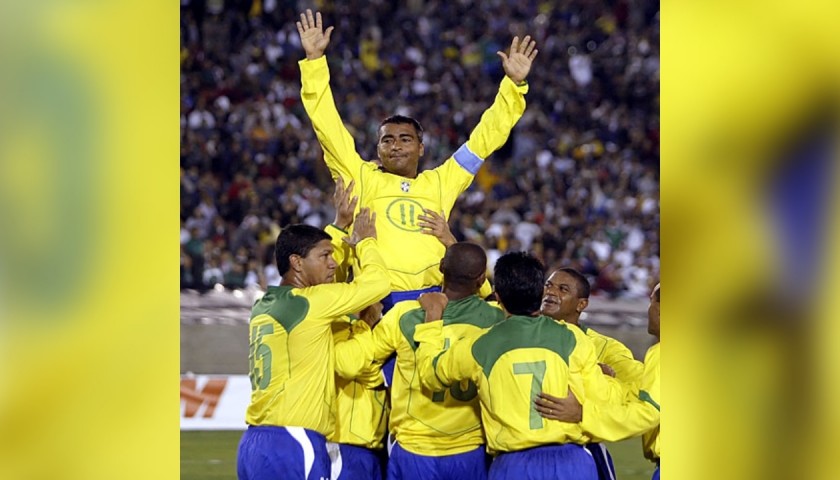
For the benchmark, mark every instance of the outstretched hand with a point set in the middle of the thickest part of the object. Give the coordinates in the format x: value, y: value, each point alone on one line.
x: 434, y: 223
x: 566, y: 409
x: 365, y: 227
x: 517, y: 64
x: 345, y: 203
x: 313, y: 38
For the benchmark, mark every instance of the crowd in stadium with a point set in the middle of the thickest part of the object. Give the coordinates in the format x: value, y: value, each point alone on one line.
x: 577, y: 183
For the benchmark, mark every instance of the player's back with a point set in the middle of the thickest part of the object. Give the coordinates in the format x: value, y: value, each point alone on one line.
x: 519, y: 358
x: 443, y: 422
x: 291, y: 361
x: 361, y: 403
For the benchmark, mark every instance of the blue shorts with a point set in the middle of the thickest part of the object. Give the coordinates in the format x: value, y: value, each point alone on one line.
x: 655, y: 474
x: 351, y: 462
x: 603, y: 460
x: 404, y: 465
x: 557, y: 462
x: 294, y: 453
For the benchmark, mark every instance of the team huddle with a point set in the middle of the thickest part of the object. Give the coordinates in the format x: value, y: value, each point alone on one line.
x: 378, y: 356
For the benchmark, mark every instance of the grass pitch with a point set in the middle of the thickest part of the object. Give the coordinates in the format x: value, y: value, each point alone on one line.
x: 212, y: 455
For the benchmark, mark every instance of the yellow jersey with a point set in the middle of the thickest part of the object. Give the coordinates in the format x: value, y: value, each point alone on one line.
x: 413, y: 256
x: 512, y: 363
x: 291, y: 354
x: 610, y: 351
x: 445, y: 421
x: 361, y: 401
x: 637, y: 415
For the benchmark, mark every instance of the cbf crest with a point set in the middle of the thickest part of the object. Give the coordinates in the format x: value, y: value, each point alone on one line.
x: 404, y: 186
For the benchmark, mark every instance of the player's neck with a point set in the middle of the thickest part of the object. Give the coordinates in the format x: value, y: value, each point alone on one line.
x: 293, y: 280
x: 454, y: 294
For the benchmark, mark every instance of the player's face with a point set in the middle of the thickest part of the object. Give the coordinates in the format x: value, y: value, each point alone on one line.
x: 560, y: 298
x: 318, y: 266
x: 653, y: 312
x: 399, y: 149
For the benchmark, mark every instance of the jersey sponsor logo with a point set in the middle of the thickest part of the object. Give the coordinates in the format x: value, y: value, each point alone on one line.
x: 404, y: 186
x: 403, y: 212
x: 208, y: 396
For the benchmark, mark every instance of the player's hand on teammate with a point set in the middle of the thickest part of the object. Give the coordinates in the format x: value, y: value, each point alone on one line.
x: 566, y: 409
x: 517, y: 63
x: 365, y: 227
x: 434, y: 223
x: 313, y: 38
x: 371, y: 314
x: 433, y: 303
x: 345, y: 203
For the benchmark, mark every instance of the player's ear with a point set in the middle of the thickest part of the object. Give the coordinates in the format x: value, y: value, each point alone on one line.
x: 582, y: 303
x: 481, y: 280
x: 422, y: 147
x: 296, y: 262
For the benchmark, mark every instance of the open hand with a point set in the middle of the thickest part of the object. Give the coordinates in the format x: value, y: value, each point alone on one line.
x: 365, y: 227
x: 566, y: 409
x: 434, y: 223
x: 517, y: 64
x: 313, y: 38
x: 344, y: 203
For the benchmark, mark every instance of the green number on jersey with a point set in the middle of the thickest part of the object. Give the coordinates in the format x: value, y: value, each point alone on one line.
x: 455, y: 390
x: 537, y: 369
x: 260, y: 376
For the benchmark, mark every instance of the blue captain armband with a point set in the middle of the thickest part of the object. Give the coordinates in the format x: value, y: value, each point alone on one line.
x: 468, y: 160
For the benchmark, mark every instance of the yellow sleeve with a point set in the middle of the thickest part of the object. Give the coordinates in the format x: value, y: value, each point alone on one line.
x: 627, y: 369
x: 635, y: 416
x: 489, y: 135
x: 342, y: 253
x: 586, y: 380
x: 354, y: 354
x: 328, y: 301
x: 438, y: 368
x: 338, y: 145
x: 365, y: 347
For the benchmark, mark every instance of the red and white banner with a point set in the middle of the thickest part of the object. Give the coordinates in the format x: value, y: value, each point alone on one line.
x: 214, y: 402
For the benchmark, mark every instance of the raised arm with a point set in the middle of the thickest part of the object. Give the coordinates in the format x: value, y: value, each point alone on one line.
x: 313, y: 38
x: 345, y: 204
x: 496, y: 122
x: 339, y: 148
x: 371, y: 282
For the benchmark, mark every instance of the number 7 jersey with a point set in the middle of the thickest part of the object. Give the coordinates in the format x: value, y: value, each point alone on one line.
x: 512, y: 363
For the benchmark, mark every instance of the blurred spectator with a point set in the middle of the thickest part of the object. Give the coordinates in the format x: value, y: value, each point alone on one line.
x: 578, y: 182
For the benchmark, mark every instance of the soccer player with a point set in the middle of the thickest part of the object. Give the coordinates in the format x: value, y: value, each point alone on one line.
x: 292, y: 355
x: 396, y: 191
x: 639, y: 415
x: 513, y: 362
x: 438, y: 432
x: 361, y: 407
x: 356, y: 445
x: 565, y: 296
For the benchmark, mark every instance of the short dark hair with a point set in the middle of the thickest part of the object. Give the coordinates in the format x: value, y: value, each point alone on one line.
x: 463, y: 264
x: 403, y: 120
x: 583, y: 288
x: 296, y: 239
x: 519, y: 282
